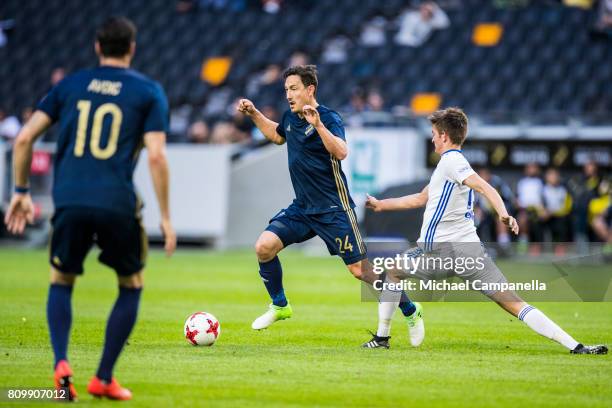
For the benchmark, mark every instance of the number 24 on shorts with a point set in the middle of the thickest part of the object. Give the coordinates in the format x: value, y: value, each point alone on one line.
x: 344, y: 246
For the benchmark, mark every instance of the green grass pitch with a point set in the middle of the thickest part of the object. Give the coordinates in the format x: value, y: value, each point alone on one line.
x: 474, y: 354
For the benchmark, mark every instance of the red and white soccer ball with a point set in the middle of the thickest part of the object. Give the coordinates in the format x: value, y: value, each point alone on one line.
x: 202, y: 329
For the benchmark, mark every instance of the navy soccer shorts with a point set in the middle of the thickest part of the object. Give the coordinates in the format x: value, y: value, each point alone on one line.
x: 338, y: 229
x: 120, y: 237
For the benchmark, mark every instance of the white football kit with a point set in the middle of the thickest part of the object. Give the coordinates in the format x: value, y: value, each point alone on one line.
x: 449, y: 214
x: 448, y: 229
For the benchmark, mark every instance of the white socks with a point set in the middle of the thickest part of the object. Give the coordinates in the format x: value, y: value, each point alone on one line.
x: 389, y: 301
x: 542, y: 325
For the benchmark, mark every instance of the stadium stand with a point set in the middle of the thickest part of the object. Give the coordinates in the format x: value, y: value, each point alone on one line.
x: 545, y: 65
x: 562, y: 71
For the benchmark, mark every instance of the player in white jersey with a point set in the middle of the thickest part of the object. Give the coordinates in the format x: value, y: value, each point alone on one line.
x: 449, y: 211
x: 448, y: 230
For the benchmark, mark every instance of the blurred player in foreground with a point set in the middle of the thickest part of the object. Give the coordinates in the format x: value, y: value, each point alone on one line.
x: 323, y: 206
x: 448, y: 229
x: 106, y: 116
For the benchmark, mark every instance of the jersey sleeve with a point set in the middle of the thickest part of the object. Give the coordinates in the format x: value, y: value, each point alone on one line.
x: 458, y: 168
x: 280, y: 129
x: 51, y: 103
x: 333, y: 123
x: 157, y: 117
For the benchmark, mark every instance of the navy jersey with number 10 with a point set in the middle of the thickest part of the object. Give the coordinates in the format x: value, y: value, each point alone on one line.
x: 103, y: 114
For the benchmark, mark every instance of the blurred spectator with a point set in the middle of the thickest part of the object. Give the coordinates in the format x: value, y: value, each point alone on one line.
x: 489, y: 227
x: 375, y: 101
x: 265, y: 84
x: 603, y: 23
x: 271, y: 6
x: 357, y: 103
x: 57, y: 75
x: 602, y: 225
x: 222, y: 133
x: 9, y: 126
x: 198, y: 132
x: 529, y: 195
x: 355, y: 107
x: 557, y: 209
x: 179, y: 121
x: 598, y: 206
x: 584, y: 189
x: 373, y: 32
x: 335, y: 49
x: 415, y: 26
x: 226, y: 132
x: 298, y: 58
x: 26, y: 114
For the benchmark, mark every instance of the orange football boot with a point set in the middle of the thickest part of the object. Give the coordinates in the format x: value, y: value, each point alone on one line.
x: 63, y: 380
x: 114, y: 390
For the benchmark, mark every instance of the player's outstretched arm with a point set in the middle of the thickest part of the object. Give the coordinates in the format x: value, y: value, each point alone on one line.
x: 22, y: 150
x: 476, y: 183
x: 267, y: 126
x: 400, y: 203
x: 21, y: 209
x: 334, y: 145
x: 158, y: 165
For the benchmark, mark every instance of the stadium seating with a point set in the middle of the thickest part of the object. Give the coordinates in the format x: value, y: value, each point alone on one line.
x: 560, y: 71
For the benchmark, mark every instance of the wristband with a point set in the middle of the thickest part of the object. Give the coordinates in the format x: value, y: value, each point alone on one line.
x: 22, y: 190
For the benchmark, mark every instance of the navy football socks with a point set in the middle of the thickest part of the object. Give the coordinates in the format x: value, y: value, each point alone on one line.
x: 59, y: 318
x: 118, y: 328
x: 406, y: 305
x: 272, y: 276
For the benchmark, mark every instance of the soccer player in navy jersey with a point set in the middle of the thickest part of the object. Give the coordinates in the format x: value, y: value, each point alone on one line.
x: 105, y: 115
x: 323, y: 207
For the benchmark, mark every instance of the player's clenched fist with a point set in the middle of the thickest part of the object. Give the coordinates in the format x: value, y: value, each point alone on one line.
x: 373, y: 203
x: 246, y: 106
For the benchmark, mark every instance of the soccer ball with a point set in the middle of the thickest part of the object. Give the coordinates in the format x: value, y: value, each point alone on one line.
x: 202, y: 329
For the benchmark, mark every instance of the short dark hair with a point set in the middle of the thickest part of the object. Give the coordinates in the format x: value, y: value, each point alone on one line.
x: 453, y: 122
x: 307, y: 73
x: 115, y: 36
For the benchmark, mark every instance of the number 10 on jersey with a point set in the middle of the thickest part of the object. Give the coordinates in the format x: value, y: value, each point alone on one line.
x: 97, y: 151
